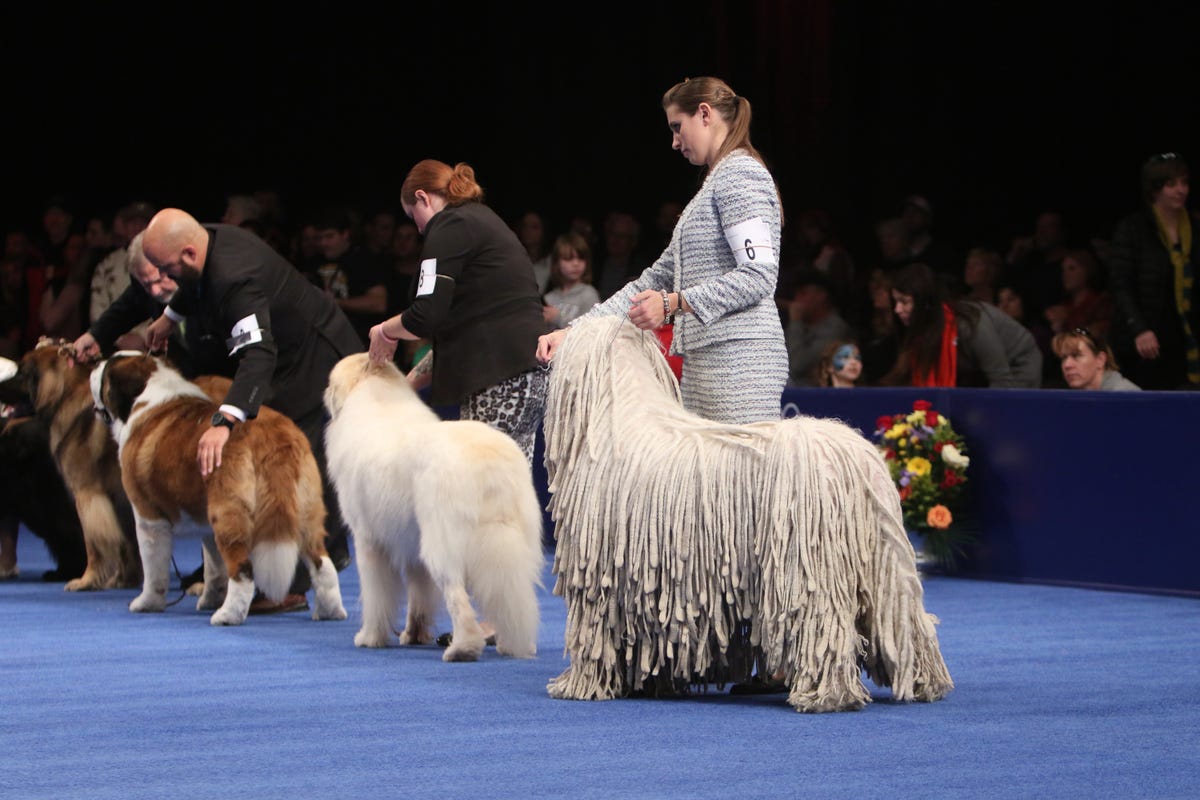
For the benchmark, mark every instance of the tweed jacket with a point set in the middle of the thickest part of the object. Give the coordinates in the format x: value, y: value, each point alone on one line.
x: 723, y: 256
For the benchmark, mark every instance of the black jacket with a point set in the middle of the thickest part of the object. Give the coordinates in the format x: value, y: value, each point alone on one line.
x: 284, y: 332
x: 1143, y: 284
x: 477, y: 300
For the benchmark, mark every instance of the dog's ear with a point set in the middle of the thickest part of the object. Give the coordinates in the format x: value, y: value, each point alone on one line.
x: 121, y: 388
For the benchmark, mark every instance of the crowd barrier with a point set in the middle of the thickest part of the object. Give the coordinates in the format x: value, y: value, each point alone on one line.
x: 1088, y: 489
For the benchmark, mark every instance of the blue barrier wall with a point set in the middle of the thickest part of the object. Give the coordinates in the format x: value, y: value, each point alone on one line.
x: 1095, y: 489
x: 1098, y: 489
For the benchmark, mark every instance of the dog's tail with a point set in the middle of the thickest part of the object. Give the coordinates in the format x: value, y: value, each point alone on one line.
x: 505, y: 568
x: 274, y: 566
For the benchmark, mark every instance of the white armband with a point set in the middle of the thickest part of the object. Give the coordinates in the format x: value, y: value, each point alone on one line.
x: 428, y: 277
x: 247, y: 331
x: 750, y: 242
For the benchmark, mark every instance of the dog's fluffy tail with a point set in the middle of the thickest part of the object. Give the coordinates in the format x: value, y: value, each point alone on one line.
x: 505, y: 567
x: 274, y: 566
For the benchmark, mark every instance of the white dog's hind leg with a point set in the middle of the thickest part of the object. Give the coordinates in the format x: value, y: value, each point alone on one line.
x: 155, y: 545
x: 423, y: 600
x: 380, y: 585
x: 216, y: 581
x: 467, y: 638
x: 326, y: 589
x: 237, y: 603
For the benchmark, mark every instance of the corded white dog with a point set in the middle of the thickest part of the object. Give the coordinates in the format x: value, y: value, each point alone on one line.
x: 688, y: 550
x: 443, y: 505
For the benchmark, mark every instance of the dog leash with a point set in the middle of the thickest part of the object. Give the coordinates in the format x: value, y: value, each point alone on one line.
x: 182, y: 588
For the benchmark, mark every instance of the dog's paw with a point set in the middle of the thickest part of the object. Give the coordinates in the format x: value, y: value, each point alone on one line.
x: 225, y: 616
x: 335, y: 613
x: 209, y: 602
x: 83, y: 584
x: 366, y: 638
x: 466, y: 651
x: 146, y: 603
x: 416, y: 636
x: 516, y: 652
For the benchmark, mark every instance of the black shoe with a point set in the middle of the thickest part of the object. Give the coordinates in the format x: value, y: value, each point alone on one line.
x: 446, y: 638
x: 188, y: 580
x: 340, y: 559
x: 757, y: 685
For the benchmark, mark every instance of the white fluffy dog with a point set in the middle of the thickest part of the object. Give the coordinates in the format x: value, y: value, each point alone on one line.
x: 445, y: 505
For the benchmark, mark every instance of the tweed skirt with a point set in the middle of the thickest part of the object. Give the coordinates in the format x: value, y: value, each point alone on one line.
x: 736, y: 381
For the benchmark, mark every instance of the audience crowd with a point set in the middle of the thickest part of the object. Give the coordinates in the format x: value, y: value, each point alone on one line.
x: 1027, y: 292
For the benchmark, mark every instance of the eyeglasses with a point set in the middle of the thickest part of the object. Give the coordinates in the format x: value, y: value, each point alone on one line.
x: 1160, y: 157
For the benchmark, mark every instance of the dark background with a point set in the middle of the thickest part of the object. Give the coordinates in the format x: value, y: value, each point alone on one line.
x: 994, y: 111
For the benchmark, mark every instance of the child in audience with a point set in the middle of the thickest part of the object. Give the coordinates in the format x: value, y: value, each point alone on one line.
x: 840, y: 366
x: 571, y: 277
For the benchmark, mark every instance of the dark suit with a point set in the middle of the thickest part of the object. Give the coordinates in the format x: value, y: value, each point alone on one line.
x: 284, y: 333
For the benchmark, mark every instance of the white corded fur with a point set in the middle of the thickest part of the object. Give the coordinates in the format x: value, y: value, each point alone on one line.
x: 447, y: 505
x: 688, y: 550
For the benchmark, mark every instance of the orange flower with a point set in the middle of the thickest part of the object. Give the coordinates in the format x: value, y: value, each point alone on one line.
x: 939, y: 517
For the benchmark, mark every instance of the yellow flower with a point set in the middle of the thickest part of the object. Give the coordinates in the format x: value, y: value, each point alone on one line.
x: 918, y: 466
x: 939, y: 517
x: 897, y: 432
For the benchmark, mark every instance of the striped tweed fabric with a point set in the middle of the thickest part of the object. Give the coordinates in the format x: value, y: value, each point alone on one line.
x: 733, y: 304
x: 735, y: 382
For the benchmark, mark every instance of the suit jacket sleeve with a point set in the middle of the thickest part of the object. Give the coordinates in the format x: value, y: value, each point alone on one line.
x: 131, y: 308
x: 448, y: 244
x: 246, y: 324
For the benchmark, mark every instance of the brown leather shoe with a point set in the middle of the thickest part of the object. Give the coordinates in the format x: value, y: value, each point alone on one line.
x: 293, y: 602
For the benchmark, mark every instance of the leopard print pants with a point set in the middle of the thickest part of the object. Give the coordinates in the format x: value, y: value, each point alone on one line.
x: 514, y: 406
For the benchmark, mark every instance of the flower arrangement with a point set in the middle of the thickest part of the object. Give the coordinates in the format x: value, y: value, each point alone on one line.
x: 928, y: 462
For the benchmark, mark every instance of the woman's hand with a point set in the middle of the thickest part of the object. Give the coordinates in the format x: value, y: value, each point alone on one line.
x: 382, y: 348
x: 548, y: 345
x: 647, y: 311
x: 1147, y: 345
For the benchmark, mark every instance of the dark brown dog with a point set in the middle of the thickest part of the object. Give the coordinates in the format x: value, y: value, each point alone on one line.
x: 32, y: 492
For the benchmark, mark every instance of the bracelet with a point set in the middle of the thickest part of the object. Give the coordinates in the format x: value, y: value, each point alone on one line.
x: 384, y: 335
x: 679, y: 308
x: 666, y: 304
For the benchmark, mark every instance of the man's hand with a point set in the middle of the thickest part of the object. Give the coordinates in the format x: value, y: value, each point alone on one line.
x: 208, y: 452
x: 158, y: 333
x: 85, y: 348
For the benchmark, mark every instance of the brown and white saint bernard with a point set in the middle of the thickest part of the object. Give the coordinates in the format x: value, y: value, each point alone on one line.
x: 264, y: 503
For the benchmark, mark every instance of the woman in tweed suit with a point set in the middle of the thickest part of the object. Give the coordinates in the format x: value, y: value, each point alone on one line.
x: 717, y: 276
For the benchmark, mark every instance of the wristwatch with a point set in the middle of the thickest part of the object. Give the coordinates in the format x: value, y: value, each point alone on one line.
x: 219, y: 419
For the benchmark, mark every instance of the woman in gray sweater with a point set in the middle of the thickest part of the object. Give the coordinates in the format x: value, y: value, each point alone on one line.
x: 717, y: 276
x: 958, y: 342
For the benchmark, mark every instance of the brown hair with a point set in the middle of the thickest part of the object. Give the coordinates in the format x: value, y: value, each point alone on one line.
x: 1091, y: 267
x: 691, y: 92
x: 1064, y: 342
x: 456, y: 184
x: 922, y: 339
x: 567, y: 245
x: 1159, y: 169
x: 822, y: 373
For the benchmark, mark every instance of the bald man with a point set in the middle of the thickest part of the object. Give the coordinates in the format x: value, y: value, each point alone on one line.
x: 283, y: 333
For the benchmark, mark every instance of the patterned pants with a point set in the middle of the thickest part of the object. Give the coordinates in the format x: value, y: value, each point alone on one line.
x: 514, y: 406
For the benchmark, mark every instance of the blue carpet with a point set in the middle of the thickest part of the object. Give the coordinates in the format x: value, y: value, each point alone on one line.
x: 1061, y: 693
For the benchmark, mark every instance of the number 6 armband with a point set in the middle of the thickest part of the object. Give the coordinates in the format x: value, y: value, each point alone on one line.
x: 750, y: 242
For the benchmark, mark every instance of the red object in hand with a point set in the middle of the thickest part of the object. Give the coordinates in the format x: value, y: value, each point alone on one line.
x: 665, y: 334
